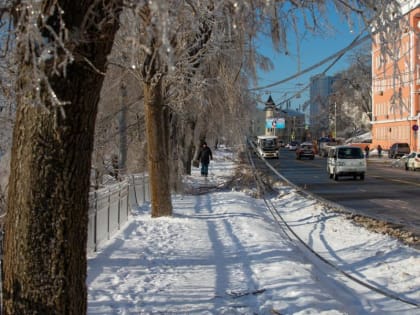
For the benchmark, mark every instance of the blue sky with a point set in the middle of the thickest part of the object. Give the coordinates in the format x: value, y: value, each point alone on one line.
x: 313, y: 49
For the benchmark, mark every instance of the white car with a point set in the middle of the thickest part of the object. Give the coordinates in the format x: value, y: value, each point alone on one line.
x: 293, y: 145
x: 413, y: 161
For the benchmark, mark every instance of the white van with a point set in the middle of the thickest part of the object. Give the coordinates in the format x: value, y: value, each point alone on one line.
x: 346, y: 161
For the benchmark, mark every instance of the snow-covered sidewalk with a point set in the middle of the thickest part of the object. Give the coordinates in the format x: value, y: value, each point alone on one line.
x: 222, y: 253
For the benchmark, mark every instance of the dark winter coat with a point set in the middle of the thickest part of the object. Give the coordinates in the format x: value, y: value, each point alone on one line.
x: 205, y: 155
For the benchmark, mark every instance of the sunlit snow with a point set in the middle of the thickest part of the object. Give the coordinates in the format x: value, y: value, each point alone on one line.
x: 222, y: 253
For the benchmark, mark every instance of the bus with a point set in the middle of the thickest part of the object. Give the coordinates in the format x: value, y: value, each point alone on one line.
x: 267, y: 147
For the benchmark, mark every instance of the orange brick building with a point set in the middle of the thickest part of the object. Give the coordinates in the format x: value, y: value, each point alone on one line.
x: 396, y: 83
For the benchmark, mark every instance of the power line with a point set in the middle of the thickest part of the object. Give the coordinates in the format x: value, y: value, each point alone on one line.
x: 357, y: 41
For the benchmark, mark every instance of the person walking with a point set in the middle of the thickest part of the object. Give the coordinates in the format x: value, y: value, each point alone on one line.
x: 367, y: 151
x: 379, y: 150
x: 204, y: 156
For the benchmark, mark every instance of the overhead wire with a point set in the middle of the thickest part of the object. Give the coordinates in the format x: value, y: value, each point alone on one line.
x: 336, y: 56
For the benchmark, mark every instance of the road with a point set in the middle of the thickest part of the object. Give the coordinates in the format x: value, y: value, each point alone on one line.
x: 387, y: 193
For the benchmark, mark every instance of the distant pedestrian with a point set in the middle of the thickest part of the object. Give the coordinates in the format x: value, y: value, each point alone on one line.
x: 204, y: 156
x: 367, y: 151
x: 379, y: 150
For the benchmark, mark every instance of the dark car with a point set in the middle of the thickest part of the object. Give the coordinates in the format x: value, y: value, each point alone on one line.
x: 305, y: 150
x: 398, y: 150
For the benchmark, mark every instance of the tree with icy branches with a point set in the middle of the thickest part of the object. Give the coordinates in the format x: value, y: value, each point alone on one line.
x: 61, y: 50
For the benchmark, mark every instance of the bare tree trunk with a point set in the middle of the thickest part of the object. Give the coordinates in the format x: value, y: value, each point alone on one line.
x: 122, y: 162
x: 46, y: 226
x: 156, y: 150
x: 175, y: 141
x: 188, y: 145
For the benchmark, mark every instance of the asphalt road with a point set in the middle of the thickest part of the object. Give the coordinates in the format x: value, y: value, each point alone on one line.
x: 387, y: 193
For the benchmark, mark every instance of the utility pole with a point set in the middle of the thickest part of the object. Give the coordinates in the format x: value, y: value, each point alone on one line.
x: 335, y: 119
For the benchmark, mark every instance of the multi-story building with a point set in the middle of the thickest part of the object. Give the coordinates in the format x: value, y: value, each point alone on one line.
x: 319, y: 105
x: 396, y: 81
x: 295, y: 128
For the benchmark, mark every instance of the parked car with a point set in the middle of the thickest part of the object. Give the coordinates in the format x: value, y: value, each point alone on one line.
x: 413, y: 161
x: 403, y: 161
x: 305, y: 149
x: 346, y: 161
x: 398, y: 150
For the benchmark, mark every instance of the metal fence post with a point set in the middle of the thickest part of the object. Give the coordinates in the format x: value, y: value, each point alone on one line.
x: 109, y: 214
x: 144, y: 189
x: 95, y: 223
x: 134, y: 189
x: 128, y: 199
x: 119, y: 206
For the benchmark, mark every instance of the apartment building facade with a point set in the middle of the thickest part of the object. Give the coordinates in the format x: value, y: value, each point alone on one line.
x: 320, y: 105
x: 396, y: 82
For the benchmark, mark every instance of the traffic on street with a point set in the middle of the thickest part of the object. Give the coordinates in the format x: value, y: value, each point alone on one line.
x: 387, y: 193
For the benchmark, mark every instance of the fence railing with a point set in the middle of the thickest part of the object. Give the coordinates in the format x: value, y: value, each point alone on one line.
x: 109, y: 208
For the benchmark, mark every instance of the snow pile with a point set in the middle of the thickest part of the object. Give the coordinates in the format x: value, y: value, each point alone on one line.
x: 362, y: 138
